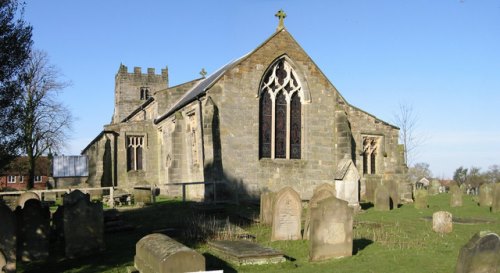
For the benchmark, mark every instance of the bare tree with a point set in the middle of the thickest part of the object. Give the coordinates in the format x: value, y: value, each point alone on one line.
x: 407, y: 121
x: 45, y: 122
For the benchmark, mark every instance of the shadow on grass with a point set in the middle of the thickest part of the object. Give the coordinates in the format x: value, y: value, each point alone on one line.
x: 360, y: 244
x: 214, y: 263
x: 365, y: 206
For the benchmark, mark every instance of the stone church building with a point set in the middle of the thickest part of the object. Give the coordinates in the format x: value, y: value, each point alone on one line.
x: 266, y: 120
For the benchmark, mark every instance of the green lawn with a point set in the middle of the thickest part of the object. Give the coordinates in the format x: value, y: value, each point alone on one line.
x: 397, y: 241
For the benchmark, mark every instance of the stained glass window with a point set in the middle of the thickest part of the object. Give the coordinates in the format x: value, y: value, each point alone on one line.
x: 280, y: 123
x: 295, y: 126
x: 266, y: 114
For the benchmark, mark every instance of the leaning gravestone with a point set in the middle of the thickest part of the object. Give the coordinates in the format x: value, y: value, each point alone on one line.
x: 495, y: 205
x: 420, y: 199
x: 287, y: 211
x: 266, y: 207
x: 83, y: 225
x: 25, y: 197
x: 456, y: 196
x: 442, y: 222
x: 382, y: 198
x: 7, y: 240
x: 158, y: 253
x: 33, y: 231
x: 486, y: 195
x: 320, y: 193
x: 331, y: 230
x: 480, y: 255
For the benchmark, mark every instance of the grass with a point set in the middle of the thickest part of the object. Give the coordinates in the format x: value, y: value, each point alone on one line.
x: 400, y: 240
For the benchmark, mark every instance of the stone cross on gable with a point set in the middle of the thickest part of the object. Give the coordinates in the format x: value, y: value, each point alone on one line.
x: 281, y: 15
x: 203, y: 73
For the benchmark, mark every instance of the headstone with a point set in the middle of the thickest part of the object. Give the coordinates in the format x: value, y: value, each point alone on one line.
x: 456, y: 199
x: 347, y: 182
x: 442, y: 222
x: 266, y: 208
x: 420, y: 199
x: 372, y: 181
x: 331, y: 230
x: 8, y: 240
x: 158, y: 253
x: 382, y: 198
x: 486, y: 195
x: 246, y: 253
x: 495, y: 205
x: 480, y: 255
x: 434, y: 187
x: 33, y: 231
x: 25, y: 197
x: 143, y: 195
x: 83, y: 225
x: 321, y: 192
x: 287, y: 211
x: 57, y: 228
x: 74, y: 197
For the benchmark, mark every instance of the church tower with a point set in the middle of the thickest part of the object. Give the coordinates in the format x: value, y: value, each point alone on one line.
x: 133, y: 89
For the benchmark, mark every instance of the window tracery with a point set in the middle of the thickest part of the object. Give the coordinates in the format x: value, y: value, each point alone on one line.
x: 134, y: 152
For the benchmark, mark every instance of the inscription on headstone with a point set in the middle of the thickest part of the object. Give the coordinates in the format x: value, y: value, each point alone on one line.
x: 287, y: 211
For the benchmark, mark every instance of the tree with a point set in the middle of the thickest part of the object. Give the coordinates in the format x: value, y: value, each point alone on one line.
x: 45, y: 121
x: 407, y: 122
x: 460, y: 175
x: 475, y: 177
x: 15, y: 47
x: 418, y: 171
x: 493, y: 174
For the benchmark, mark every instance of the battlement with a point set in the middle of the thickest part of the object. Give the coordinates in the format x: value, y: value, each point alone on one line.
x: 123, y: 73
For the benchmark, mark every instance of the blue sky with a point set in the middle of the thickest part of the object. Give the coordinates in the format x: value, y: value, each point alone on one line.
x: 442, y: 57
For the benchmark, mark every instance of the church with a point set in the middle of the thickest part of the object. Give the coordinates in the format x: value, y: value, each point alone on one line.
x: 266, y: 120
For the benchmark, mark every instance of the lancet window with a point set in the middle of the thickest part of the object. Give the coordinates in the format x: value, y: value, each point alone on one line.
x: 135, y: 146
x: 370, y: 151
x: 144, y: 93
x: 280, y: 113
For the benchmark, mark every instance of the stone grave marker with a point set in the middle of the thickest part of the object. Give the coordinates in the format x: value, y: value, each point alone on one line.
x: 74, y: 196
x: 480, y: 255
x: 25, y: 197
x: 331, y: 230
x: 372, y: 181
x: 456, y: 199
x: 486, y: 195
x: 382, y: 198
x: 161, y: 254
x: 266, y: 208
x: 495, y: 205
x: 420, y: 199
x: 8, y: 242
x: 321, y: 192
x: 442, y: 222
x: 246, y: 253
x: 33, y: 231
x: 83, y: 225
x: 287, y: 211
x: 434, y: 187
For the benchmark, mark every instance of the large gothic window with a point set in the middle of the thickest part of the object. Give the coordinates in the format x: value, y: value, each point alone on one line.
x: 134, y: 152
x: 280, y: 117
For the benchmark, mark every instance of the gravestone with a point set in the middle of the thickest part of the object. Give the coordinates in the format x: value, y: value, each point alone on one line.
x: 486, y: 195
x: 442, y: 222
x: 434, y: 187
x: 266, y: 208
x: 25, y: 197
x: 321, y: 192
x: 347, y: 182
x: 83, y: 225
x: 495, y: 205
x: 8, y: 242
x: 57, y: 228
x: 287, y: 211
x: 420, y: 199
x: 372, y: 181
x: 33, y: 231
x: 382, y: 198
x: 143, y: 195
x: 331, y: 230
x: 246, y: 253
x: 480, y: 255
x: 158, y: 253
x: 456, y: 199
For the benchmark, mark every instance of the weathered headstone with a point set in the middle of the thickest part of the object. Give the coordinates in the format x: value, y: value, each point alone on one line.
x: 8, y: 240
x: 266, y: 207
x: 382, y: 198
x: 486, y: 195
x: 25, y: 197
x: 331, y: 230
x: 246, y: 253
x: 321, y: 192
x: 455, y: 196
x: 372, y: 181
x: 442, y: 222
x: 57, y: 227
x: 347, y: 182
x: 143, y: 195
x: 33, y: 231
x: 158, y: 253
x: 73, y: 197
x: 495, y: 205
x: 480, y: 255
x: 420, y: 199
x: 83, y: 225
x: 434, y: 187
x: 287, y: 211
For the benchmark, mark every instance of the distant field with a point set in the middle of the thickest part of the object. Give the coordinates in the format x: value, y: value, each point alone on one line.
x: 397, y: 241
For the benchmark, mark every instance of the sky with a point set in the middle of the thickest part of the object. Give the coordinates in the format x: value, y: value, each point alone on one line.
x: 442, y: 58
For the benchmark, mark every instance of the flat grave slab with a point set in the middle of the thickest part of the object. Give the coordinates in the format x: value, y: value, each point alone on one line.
x: 246, y: 253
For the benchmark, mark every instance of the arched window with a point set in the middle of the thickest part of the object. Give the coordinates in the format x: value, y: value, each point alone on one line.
x: 280, y: 116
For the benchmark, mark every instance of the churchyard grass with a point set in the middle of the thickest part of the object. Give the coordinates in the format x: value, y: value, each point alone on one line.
x: 400, y: 240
